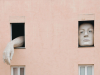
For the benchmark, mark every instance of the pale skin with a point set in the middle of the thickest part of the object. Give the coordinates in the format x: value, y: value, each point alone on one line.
x: 86, y: 34
x: 9, y: 50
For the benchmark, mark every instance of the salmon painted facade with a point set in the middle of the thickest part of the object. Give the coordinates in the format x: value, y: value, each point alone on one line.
x: 51, y: 36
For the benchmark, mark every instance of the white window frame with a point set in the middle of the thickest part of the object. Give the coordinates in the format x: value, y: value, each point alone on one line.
x: 86, y: 68
x: 18, y: 67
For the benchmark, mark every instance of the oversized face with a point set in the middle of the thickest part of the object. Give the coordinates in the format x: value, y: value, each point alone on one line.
x: 86, y: 35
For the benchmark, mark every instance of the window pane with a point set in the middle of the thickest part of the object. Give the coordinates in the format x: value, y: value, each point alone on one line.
x: 89, y: 70
x: 21, y: 71
x: 82, y: 70
x: 15, y: 71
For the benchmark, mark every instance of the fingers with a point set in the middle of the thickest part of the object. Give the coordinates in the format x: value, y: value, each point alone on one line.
x: 8, y: 60
x: 6, y: 57
x: 4, y: 53
x: 3, y: 60
x: 12, y: 53
x: 8, y: 53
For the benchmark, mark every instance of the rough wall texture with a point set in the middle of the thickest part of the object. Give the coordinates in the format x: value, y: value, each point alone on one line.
x: 51, y: 36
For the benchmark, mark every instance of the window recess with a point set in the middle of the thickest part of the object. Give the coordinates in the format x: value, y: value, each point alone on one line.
x: 18, y: 29
x: 18, y: 70
x: 86, y: 70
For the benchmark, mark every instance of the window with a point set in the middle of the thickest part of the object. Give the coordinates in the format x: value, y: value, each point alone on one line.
x: 17, y: 70
x: 18, y: 29
x: 86, y: 33
x: 86, y: 70
x: 86, y: 30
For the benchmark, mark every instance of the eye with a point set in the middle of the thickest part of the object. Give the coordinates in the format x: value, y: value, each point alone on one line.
x: 90, y: 31
x: 81, y: 32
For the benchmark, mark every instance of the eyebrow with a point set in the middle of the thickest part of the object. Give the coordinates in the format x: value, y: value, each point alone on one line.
x: 91, y: 28
x: 81, y: 29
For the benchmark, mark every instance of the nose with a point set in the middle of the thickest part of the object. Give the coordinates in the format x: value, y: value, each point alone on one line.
x: 86, y: 34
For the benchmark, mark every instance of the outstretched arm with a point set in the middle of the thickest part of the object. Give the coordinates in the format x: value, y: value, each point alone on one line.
x: 9, y: 50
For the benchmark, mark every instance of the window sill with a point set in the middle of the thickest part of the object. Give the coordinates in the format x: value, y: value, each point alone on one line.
x: 19, y: 48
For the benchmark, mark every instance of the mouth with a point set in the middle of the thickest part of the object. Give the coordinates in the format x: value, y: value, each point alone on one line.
x: 86, y: 40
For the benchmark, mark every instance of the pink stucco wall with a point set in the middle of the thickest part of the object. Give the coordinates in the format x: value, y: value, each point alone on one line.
x: 51, y: 36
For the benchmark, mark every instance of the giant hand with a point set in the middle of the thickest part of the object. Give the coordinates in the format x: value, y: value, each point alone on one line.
x: 9, y: 50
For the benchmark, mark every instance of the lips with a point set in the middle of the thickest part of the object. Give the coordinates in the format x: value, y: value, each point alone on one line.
x: 86, y: 40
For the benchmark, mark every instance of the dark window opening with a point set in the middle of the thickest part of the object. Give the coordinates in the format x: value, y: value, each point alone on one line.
x: 18, y: 29
x: 86, y: 33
